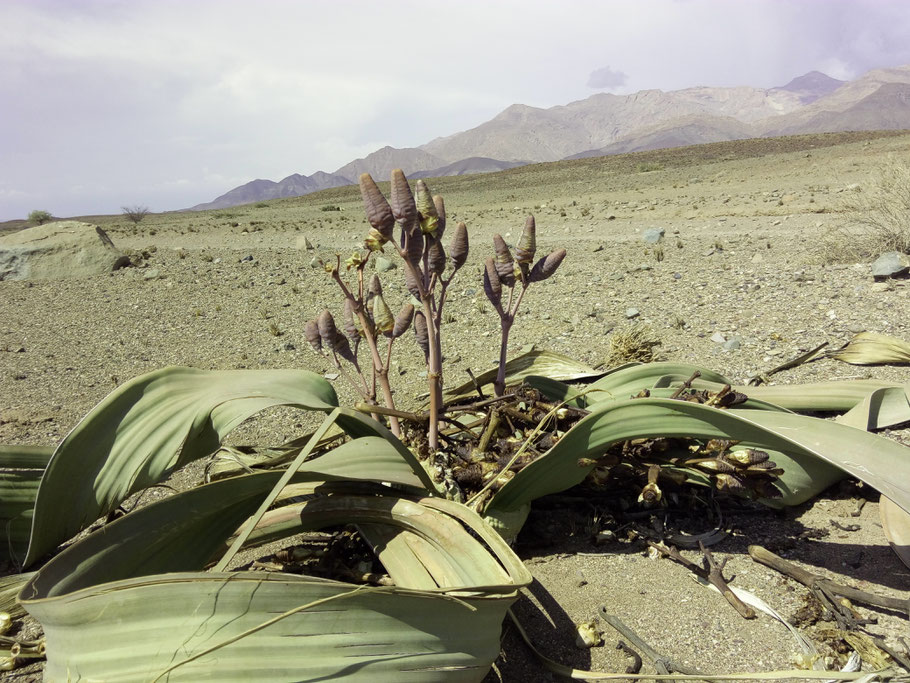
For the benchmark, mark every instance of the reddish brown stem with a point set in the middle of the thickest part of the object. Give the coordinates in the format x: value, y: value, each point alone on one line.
x: 380, y: 370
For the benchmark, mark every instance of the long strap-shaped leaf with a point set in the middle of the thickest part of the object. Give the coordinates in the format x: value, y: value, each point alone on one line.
x: 532, y: 362
x: 21, y: 469
x: 880, y: 462
x: 871, y: 403
x: 182, y: 532
x: 627, y: 380
x: 147, y: 428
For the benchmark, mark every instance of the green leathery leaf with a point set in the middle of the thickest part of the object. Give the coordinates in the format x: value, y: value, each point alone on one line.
x: 559, y: 391
x: 896, y: 524
x: 627, y: 380
x: 554, y: 390
x: 147, y: 428
x: 10, y: 586
x: 530, y: 362
x: 182, y: 532
x: 21, y: 469
x: 819, y: 448
x: 870, y: 403
x: 266, y: 626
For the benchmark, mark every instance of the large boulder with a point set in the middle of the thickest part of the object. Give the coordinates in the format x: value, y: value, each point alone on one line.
x: 55, y: 251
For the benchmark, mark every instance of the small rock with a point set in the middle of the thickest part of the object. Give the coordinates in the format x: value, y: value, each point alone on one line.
x: 383, y: 265
x: 247, y: 259
x: 880, y: 287
x: 304, y: 244
x: 890, y: 264
x: 152, y: 274
x: 677, y: 276
x: 718, y: 338
x: 314, y: 263
x: 856, y: 328
x: 653, y: 235
x: 599, y: 247
x: 732, y: 344
x: 587, y: 635
x: 632, y: 313
x: 331, y: 375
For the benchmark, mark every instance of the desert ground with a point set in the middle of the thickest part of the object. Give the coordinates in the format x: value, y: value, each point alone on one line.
x: 746, y: 279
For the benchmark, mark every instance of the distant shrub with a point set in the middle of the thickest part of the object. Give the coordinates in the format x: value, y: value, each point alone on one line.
x: 646, y: 166
x: 135, y: 213
x: 330, y: 207
x: 876, y: 217
x: 260, y: 205
x: 40, y: 217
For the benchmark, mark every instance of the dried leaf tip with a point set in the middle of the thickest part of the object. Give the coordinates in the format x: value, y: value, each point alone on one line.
x: 426, y: 210
x: 458, y: 247
x: 378, y: 212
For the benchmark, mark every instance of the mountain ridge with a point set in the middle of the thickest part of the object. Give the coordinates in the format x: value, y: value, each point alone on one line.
x: 606, y: 123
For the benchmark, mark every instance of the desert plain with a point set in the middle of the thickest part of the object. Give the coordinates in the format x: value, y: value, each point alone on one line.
x: 745, y: 277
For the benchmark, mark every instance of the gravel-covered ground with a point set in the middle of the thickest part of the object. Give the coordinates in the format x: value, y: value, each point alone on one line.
x: 736, y: 284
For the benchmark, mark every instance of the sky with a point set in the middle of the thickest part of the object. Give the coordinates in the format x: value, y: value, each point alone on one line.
x: 167, y: 104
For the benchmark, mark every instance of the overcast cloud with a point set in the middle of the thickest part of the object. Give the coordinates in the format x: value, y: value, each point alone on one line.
x: 606, y: 78
x: 171, y: 103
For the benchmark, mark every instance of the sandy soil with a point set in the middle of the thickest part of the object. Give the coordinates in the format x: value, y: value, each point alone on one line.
x: 742, y: 225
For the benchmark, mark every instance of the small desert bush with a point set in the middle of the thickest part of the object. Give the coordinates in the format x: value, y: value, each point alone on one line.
x: 648, y: 166
x: 636, y: 342
x: 135, y: 213
x: 876, y: 218
x: 40, y: 217
x: 330, y: 207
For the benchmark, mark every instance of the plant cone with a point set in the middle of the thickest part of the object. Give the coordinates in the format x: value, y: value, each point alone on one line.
x: 458, y: 247
x: 426, y: 209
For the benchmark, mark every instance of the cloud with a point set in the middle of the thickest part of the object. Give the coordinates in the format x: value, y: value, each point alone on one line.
x: 606, y: 78
x: 129, y: 97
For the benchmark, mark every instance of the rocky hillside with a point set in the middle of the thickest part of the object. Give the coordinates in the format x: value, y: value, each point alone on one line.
x: 614, y: 124
x: 294, y: 185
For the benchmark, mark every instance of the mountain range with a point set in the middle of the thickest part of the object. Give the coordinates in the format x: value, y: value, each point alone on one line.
x: 615, y: 124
